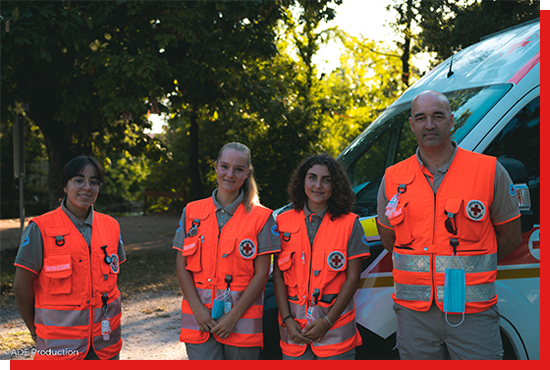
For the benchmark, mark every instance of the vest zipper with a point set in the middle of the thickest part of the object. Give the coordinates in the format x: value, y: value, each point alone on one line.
x: 432, y: 255
x: 434, y: 218
x: 214, y: 288
x: 309, y: 267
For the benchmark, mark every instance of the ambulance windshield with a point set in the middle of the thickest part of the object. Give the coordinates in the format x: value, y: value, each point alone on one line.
x: 389, y: 140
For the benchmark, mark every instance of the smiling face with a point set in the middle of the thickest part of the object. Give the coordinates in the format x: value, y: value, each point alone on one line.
x: 318, y: 187
x: 80, y: 200
x: 232, y: 168
x: 431, y: 120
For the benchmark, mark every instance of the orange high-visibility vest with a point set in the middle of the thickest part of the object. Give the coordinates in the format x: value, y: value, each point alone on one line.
x: 70, y: 287
x: 314, y: 276
x: 215, y: 259
x: 423, y: 246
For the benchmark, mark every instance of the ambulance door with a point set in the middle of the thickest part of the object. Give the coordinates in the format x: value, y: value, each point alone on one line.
x: 517, y: 136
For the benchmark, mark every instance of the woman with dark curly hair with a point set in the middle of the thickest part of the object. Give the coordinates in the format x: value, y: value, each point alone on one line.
x: 317, y: 272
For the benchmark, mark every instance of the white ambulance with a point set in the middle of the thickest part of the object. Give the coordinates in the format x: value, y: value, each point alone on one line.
x: 494, y: 91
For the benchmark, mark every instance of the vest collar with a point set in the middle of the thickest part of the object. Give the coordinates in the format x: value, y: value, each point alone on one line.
x: 232, y: 208
x: 89, y: 220
x: 443, y: 169
x: 321, y: 214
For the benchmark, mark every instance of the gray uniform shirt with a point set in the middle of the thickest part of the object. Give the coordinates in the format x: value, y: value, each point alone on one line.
x: 503, y: 209
x: 31, y: 250
x: 357, y: 243
x: 268, y: 237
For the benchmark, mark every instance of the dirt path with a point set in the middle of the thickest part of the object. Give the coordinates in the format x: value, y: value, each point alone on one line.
x: 150, y: 320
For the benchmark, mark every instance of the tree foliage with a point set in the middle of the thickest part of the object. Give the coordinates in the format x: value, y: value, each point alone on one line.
x: 367, y: 82
x: 58, y: 61
x: 88, y: 73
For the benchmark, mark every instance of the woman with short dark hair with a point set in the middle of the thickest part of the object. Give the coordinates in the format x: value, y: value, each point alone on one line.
x: 66, y: 277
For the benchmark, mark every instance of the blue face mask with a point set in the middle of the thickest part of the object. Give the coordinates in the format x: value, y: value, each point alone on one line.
x: 454, y: 300
x: 217, y: 309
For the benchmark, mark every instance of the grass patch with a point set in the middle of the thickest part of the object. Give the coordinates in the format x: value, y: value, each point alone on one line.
x: 16, y: 340
x: 7, y: 274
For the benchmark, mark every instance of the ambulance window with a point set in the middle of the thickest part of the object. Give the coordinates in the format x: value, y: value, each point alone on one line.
x: 469, y: 106
x: 520, y: 140
x: 367, y: 158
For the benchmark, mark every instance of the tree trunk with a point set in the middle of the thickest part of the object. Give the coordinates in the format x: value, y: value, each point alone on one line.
x: 57, y: 158
x: 197, y: 189
x: 405, y: 58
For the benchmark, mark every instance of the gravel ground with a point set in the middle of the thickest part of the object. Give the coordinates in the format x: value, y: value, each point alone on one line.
x: 150, y: 320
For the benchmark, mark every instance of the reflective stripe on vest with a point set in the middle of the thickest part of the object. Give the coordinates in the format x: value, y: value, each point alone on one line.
x: 408, y: 262
x: 471, y: 264
x: 474, y: 293
x: 50, y: 317
x: 411, y: 292
x: 62, y: 346
x: 419, y: 263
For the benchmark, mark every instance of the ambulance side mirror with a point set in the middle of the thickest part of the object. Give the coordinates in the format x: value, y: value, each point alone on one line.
x: 520, y: 178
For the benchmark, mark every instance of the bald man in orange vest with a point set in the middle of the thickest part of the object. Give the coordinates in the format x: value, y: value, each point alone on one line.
x: 447, y: 215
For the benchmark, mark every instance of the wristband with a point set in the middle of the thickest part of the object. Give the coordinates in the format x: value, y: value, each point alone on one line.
x: 328, y: 320
x: 284, y: 320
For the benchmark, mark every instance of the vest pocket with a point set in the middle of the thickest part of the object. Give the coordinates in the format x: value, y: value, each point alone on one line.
x: 237, y: 256
x: 58, y: 270
x: 326, y: 267
x: 192, y: 250
x: 285, y: 261
x: 470, y: 217
x: 401, y: 224
x: 289, y: 235
x: 106, y: 282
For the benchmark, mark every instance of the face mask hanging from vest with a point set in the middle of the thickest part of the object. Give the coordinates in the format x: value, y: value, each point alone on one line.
x: 454, y: 299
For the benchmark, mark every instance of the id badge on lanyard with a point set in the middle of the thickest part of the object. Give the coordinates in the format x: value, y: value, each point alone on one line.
x: 454, y: 300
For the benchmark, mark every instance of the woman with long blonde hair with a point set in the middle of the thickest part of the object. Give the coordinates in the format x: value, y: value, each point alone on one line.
x: 225, y: 244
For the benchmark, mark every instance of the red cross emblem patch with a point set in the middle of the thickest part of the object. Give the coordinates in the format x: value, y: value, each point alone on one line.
x: 475, y: 209
x: 247, y: 248
x: 114, y: 263
x: 336, y: 260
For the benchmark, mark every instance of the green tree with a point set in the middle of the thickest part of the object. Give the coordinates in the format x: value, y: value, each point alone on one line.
x: 54, y: 61
x: 89, y: 71
x: 35, y: 187
x: 367, y: 82
x: 270, y: 104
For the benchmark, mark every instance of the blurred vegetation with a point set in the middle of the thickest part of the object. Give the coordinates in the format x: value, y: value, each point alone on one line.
x: 7, y: 274
x: 15, y: 341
